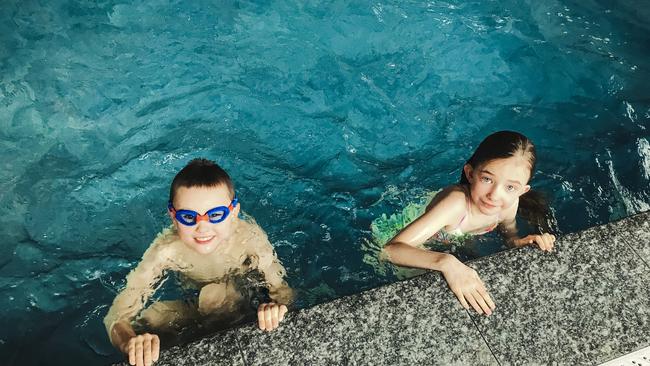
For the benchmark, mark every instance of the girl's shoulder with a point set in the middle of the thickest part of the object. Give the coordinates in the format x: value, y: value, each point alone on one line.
x: 450, y: 203
x: 458, y: 191
x: 454, y: 196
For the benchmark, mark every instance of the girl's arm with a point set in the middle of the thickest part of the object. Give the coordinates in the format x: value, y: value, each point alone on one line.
x: 508, y: 226
x: 509, y: 232
x: 463, y: 281
x: 404, y: 248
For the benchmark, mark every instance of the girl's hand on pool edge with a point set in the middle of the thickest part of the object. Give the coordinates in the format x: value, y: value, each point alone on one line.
x: 465, y: 283
x: 544, y: 241
x: 143, y: 349
x: 269, y: 315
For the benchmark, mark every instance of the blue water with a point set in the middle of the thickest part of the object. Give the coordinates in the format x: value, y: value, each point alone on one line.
x: 327, y: 114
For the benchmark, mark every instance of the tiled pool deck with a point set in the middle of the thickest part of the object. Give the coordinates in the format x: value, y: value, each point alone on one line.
x: 584, y: 304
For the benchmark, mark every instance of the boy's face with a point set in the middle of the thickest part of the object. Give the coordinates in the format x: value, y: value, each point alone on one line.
x: 204, y: 236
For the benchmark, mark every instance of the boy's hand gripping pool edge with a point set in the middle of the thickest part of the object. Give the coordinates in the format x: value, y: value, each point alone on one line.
x: 465, y: 283
x: 143, y: 349
x: 269, y: 315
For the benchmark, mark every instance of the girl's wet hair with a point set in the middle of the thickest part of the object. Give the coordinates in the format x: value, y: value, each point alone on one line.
x: 201, y: 173
x: 533, y: 206
x: 501, y: 145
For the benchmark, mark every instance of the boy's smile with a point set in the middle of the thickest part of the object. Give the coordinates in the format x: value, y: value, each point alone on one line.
x: 204, y: 236
x: 204, y: 239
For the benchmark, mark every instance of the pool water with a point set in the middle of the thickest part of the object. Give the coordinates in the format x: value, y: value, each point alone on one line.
x: 326, y: 114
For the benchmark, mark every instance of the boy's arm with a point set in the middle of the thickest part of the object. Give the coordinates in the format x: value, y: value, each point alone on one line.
x: 257, y: 245
x: 121, y: 332
x: 279, y: 290
x: 270, y: 267
x: 140, y: 286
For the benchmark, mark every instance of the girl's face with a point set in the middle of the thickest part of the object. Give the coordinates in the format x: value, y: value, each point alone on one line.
x: 496, y: 185
x: 204, y: 237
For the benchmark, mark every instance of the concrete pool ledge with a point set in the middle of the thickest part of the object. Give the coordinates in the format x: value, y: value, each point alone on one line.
x: 585, y: 304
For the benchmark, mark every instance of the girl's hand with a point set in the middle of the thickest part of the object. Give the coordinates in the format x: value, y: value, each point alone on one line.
x: 544, y: 241
x: 143, y: 349
x: 269, y: 315
x: 465, y: 283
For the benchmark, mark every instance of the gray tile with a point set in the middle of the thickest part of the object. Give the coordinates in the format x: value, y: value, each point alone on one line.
x: 586, y: 303
x: 635, y: 230
x: 415, y: 321
x: 214, y: 350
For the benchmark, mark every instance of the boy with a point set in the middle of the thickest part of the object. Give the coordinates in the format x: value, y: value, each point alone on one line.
x: 210, y: 246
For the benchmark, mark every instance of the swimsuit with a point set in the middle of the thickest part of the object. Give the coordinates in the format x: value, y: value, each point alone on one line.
x: 384, y: 228
x: 456, y: 234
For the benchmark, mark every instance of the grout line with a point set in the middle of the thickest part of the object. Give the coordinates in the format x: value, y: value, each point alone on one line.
x: 636, y: 252
x: 483, y: 337
x: 241, y: 350
x: 628, y: 243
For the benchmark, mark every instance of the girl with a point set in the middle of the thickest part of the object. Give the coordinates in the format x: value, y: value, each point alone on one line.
x: 493, y: 183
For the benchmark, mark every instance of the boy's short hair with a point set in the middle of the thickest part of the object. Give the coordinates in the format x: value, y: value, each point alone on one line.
x: 201, y: 173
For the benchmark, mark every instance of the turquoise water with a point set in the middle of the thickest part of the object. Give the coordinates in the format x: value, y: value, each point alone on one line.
x: 326, y: 114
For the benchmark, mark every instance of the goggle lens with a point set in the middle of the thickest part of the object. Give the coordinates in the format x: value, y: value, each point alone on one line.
x: 217, y: 215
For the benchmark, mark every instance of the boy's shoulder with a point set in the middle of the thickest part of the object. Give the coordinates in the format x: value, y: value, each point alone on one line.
x: 249, y: 229
x: 163, y: 244
x: 167, y: 235
x: 252, y: 237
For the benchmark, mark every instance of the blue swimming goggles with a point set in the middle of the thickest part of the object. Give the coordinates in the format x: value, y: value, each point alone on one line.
x: 191, y: 218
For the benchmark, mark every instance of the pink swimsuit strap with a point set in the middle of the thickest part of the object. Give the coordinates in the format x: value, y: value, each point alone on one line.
x: 464, y: 216
x: 467, y: 214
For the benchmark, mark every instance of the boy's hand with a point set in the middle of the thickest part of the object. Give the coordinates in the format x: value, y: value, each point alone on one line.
x: 544, y: 241
x: 465, y: 283
x: 269, y: 315
x: 143, y: 349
